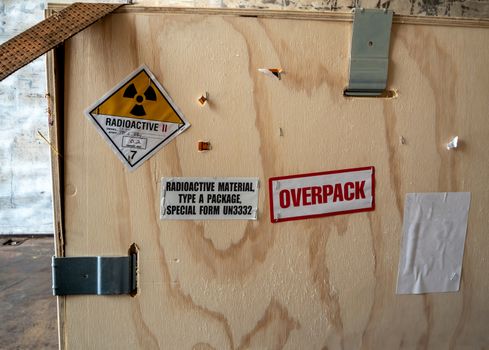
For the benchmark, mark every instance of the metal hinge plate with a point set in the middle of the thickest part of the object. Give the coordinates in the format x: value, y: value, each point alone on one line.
x: 96, y: 275
x: 369, y: 58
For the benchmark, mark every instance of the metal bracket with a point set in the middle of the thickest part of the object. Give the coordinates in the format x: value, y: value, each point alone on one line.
x: 97, y: 275
x: 369, y: 58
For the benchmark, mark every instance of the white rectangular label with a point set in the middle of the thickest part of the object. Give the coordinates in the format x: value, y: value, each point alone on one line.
x: 321, y: 194
x: 435, y: 225
x: 209, y: 198
x: 134, y: 142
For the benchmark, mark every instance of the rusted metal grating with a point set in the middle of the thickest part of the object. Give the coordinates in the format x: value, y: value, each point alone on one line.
x: 44, y: 36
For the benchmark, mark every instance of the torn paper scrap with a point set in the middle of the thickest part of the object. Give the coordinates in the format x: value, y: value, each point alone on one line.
x: 434, y: 229
x: 272, y: 72
x: 453, y: 143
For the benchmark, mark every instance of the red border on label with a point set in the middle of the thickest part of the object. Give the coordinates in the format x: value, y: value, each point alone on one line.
x: 270, y: 194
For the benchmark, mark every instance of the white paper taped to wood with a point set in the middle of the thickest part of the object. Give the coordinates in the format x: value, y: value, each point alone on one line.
x: 209, y: 198
x: 434, y: 229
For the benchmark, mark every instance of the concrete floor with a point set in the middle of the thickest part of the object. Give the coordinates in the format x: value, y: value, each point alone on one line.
x: 27, y: 307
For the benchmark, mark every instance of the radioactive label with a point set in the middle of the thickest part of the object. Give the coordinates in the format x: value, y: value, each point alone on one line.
x: 209, y: 198
x: 137, y: 117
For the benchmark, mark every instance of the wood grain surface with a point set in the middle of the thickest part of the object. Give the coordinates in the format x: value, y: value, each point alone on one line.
x: 324, y: 283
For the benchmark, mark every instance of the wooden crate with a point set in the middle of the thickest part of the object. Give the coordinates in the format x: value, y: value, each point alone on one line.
x: 325, y: 283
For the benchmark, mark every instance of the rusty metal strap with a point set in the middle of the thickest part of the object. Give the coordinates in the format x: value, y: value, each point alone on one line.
x: 44, y: 36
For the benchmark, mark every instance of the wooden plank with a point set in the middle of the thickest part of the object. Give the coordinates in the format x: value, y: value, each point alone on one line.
x: 303, y: 15
x: 46, y: 35
x: 55, y: 139
x: 317, y: 284
x: 439, y: 8
x: 447, y: 8
x: 55, y: 86
x: 55, y: 89
x: 299, y: 15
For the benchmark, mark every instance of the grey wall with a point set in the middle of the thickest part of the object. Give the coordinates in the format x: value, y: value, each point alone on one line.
x: 25, y: 178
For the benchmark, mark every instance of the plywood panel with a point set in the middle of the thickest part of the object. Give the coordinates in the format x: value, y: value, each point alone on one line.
x: 325, y: 283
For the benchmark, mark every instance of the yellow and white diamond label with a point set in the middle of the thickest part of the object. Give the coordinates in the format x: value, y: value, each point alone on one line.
x: 137, y: 117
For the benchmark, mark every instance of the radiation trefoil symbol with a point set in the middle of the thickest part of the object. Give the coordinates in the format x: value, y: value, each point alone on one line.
x: 137, y: 117
x: 138, y: 108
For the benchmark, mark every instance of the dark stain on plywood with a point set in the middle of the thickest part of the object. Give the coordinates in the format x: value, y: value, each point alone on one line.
x: 238, y: 259
x: 318, y: 240
x: 369, y: 336
x: 273, y: 329
x: 292, y: 58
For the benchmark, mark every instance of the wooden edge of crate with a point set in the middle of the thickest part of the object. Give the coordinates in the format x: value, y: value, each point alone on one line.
x: 295, y: 15
x: 55, y: 137
x: 54, y: 71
